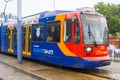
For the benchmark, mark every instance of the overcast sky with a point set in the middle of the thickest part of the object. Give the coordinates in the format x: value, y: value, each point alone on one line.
x: 36, y: 6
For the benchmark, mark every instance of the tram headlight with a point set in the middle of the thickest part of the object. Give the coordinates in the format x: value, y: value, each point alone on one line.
x: 88, y: 49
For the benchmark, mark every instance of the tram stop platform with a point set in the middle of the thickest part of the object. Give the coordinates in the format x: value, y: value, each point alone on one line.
x: 29, y: 69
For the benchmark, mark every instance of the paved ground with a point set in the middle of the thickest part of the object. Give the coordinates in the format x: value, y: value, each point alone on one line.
x: 10, y: 73
x: 32, y: 70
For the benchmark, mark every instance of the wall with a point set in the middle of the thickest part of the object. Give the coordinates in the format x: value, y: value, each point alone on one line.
x: 115, y: 41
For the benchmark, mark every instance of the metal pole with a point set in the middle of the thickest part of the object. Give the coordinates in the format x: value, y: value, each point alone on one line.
x: 19, y: 32
x: 54, y: 4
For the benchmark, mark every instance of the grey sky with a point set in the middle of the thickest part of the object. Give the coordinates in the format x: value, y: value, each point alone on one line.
x: 35, y: 6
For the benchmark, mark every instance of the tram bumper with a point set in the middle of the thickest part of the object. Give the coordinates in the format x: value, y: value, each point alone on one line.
x: 92, y: 63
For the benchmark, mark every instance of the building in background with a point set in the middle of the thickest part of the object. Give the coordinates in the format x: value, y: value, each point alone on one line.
x: 10, y: 17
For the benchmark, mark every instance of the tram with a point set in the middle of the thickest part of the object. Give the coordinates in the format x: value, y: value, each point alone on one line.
x: 76, y: 39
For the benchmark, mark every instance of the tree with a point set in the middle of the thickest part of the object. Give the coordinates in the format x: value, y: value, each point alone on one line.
x: 112, y: 12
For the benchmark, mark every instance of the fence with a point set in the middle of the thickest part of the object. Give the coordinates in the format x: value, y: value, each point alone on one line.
x: 116, y: 42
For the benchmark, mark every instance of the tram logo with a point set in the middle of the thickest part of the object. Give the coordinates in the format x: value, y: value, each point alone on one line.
x: 37, y: 32
x: 37, y: 49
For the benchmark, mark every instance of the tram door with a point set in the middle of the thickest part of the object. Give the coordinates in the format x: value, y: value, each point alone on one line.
x: 10, y: 39
x: 27, y: 34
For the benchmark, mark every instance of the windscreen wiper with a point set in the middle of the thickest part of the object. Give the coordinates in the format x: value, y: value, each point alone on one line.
x: 91, y: 34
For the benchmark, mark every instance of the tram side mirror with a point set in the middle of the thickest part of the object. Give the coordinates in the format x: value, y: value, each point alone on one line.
x: 74, y: 19
x: 108, y: 23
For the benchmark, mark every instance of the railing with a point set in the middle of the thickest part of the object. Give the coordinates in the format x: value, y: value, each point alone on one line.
x: 115, y: 56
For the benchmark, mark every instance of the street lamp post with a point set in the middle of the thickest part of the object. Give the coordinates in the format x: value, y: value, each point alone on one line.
x: 19, y: 31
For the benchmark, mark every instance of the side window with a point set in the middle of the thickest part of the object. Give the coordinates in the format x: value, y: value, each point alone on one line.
x: 68, y: 31
x: 7, y: 32
x: 15, y: 35
x: 53, y: 31
x: 38, y: 32
x: 76, y: 32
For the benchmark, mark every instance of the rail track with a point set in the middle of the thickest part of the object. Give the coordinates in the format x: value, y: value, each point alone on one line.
x: 59, y: 71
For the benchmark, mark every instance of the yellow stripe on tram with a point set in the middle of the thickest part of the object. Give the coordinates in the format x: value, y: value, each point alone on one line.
x: 61, y: 45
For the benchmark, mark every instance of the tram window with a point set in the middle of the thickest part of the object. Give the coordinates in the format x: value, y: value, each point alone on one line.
x: 38, y: 32
x: 30, y: 33
x: 68, y: 31
x: 76, y: 33
x: 7, y: 32
x: 23, y: 36
x: 15, y: 35
x: 53, y: 31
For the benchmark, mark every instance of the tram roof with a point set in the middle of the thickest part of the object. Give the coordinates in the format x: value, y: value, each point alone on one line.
x: 52, y: 13
x: 47, y: 13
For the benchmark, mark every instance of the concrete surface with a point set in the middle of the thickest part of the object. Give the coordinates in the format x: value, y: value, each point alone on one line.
x: 50, y: 72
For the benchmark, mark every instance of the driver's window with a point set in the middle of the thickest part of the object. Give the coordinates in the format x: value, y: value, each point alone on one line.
x: 68, y: 31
